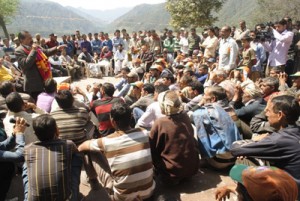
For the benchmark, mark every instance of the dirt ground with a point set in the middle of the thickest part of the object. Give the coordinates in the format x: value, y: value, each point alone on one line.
x: 200, y: 188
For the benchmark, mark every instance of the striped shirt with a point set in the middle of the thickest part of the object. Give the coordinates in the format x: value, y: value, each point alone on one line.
x: 49, y: 169
x: 102, y: 109
x: 129, y: 158
x: 71, y: 123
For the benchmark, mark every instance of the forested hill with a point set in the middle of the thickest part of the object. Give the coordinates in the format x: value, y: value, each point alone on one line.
x: 44, y: 17
x: 143, y: 17
x: 157, y: 17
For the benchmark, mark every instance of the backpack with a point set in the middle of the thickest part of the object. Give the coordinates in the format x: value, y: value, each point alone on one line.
x: 216, y: 131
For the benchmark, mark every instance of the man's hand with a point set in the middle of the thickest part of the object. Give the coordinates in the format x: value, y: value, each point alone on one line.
x: 29, y: 106
x: 259, y: 137
x: 282, y: 78
x: 79, y: 91
x: 212, y: 75
x: 35, y: 47
x: 20, y: 126
x: 61, y: 47
x: 224, y: 192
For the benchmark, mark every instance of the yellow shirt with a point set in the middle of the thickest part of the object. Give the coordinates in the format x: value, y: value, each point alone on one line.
x: 4, y: 74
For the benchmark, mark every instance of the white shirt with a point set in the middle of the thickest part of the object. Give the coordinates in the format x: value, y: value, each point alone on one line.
x: 9, y: 127
x: 152, y: 113
x: 184, y: 44
x: 228, y: 53
x: 239, y: 34
x: 120, y: 55
x: 210, y: 45
x: 279, y: 47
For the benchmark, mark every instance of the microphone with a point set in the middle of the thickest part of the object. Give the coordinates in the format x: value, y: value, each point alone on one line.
x: 13, y: 121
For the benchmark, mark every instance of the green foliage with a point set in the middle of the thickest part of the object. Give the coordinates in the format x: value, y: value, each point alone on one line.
x: 8, y: 8
x: 193, y: 13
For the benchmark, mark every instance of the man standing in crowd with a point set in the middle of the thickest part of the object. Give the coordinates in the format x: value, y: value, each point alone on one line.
x: 279, y: 46
x: 52, y: 42
x: 117, y: 40
x: 96, y: 44
x: 210, y: 44
x: 193, y: 41
x: 242, y: 32
x: 86, y: 44
x: 228, y: 50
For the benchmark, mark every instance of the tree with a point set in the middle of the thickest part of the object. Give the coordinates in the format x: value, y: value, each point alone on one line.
x: 193, y: 13
x: 8, y: 8
x: 277, y: 9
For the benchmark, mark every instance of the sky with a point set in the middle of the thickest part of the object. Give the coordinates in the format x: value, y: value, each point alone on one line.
x: 105, y: 4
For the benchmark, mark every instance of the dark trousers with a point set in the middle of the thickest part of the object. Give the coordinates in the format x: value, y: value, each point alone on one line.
x: 34, y: 95
x: 7, y: 170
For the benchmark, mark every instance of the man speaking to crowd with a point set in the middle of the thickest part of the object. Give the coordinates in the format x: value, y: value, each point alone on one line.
x: 34, y: 63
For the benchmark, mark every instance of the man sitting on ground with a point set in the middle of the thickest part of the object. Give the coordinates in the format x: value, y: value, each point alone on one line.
x: 102, y: 108
x: 280, y: 148
x: 173, y: 147
x: 147, y: 95
x: 125, y: 165
x: 48, y: 172
x: 153, y: 111
x: 17, y: 108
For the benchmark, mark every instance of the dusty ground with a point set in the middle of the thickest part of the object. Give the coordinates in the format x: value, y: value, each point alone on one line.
x: 200, y: 188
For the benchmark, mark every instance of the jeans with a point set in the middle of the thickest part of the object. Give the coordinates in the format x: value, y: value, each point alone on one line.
x: 137, y: 113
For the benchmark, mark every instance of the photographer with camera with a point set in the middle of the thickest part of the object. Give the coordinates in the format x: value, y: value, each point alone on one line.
x: 278, y: 46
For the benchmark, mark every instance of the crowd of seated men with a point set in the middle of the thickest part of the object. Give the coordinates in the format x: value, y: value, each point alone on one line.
x: 181, y: 101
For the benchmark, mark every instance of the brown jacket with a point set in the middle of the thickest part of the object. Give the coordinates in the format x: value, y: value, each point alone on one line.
x: 173, y: 146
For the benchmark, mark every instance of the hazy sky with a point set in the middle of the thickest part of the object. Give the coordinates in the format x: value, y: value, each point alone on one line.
x: 105, y: 4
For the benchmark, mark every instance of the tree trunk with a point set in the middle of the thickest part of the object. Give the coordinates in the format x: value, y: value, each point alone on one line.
x: 3, y: 25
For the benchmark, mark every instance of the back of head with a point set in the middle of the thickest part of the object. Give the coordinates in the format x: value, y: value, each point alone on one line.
x: 289, y: 105
x: 169, y: 77
x: 196, y: 85
x: 221, y: 73
x: 121, y: 114
x: 50, y: 86
x: 64, y: 99
x: 149, y: 88
x: 271, y: 81
x: 108, y: 89
x: 218, y: 92
x: 186, y: 79
x: 170, y: 103
x: 44, y: 127
x: 14, y: 102
x: 161, y: 88
x: 6, y: 88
